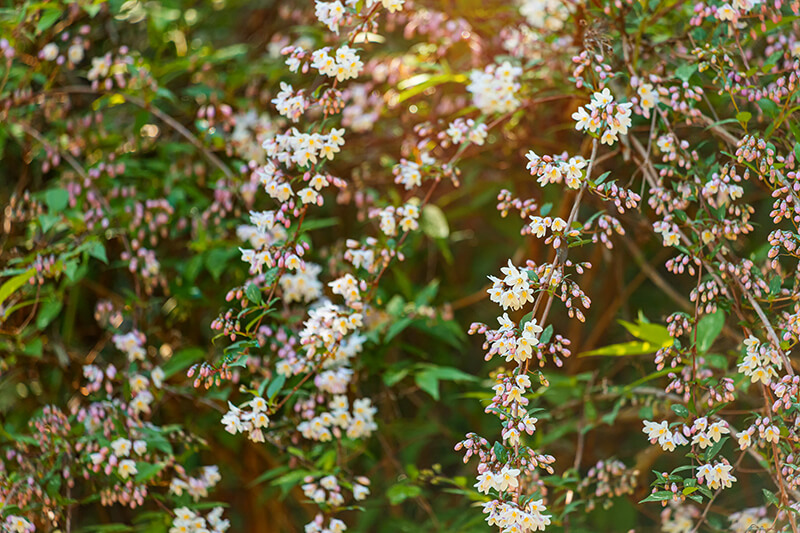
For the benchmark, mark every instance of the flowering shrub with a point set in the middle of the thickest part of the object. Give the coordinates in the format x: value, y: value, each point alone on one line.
x: 242, y: 246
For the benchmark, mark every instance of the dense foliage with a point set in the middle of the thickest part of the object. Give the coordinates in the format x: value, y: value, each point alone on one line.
x: 243, y: 245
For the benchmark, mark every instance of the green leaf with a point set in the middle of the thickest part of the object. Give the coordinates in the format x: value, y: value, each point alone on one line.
x: 401, y: 492
x: 708, y: 329
x: 276, y: 385
x: 623, y: 349
x: 546, y: 335
x: 47, y: 313
x: 217, y: 260
x: 428, y: 382
x: 48, y: 18
x: 56, y: 200
x: 147, y: 471
x: 10, y: 286
x: 448, y: 373
x: 659, y: 496
x: 500, y: 451
x: 98, y: 251
x: 181, y: 360
x: 434, y: 223
x: 744, y: 117
x: 253, y: 293
x: 715, y: 448
x: 685, y: 71
x: 652, y: 333
x: 680, y: 410
x: 770, y: 497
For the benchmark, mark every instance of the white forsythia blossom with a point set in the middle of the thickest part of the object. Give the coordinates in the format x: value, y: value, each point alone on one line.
x: 17, y: 524
x: 494, y: 89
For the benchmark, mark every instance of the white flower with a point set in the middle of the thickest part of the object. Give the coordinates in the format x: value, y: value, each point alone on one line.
x: 127, y: 468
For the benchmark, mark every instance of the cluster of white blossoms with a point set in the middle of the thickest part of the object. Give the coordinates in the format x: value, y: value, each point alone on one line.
x: 733, y: 10
x: 659, y: 432
x: 506, y: 343
x: 409, y: 173
x: 361, y: 256
x: 290, y: 104
x: 188, y: 521
x: 461, y: 130
x: 603, y: 113
x: 753, y: 519
x: 545, y: 14
x: 300, y: 149
x: 356, y: 423
x: 501, y: 481
x: 494, y: 89
x: 513, y: 518
x: 343, y: 65
x: 648, y: 98
x: 317, y: 526
x: 330, y: 14
x: 701, y: 432
x: 17, y: 524
x: 327, y: 490
x: 131, y: 344
x: 325, y: 328
x: 405, y: 217
x: 196, y: 487
x: 553, y: 170
x: 540, y: 225
x: 761, y: 361
x: 716, y: 476
x: 669, y: 232
x: 303, y: 285
x: 513, y: 290
x: 250, y: 417
x: 768, y: 433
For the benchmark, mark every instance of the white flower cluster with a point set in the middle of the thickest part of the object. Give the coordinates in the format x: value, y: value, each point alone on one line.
x: 512, y: 518
x: 648, y: 98
x: 290, y: 104
x: 602, y: 113
x: 409, y: 173
x: 703, y: 434
x: 330, y: 14
x: 716, y: 476
x: 550, y: 170
x: 753, y: 519
x: 514, y: 290
x: 461, y: 130
x: 196, y: 487
x: 506, y: 343
x: 407, y: 214
x: 326, y: 326
x: 300, y: 149
x: 334, y: 526
x: 545, y: 14
x: 327, y: 490
x: 390, y: 5
x: 303, y: 285
x: 494, y: 89
x: 500, y: 481
x: 669, y: 232
x: 732, y: 11
x: 344, y: 64
x: 261, y: 237
x: 132, y: 344
x: 188, y: 521
x: 356, y: 424
x: 18, y: 524
x: 760, y: 361
x: 250, y: 417
x: 361, y: 256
